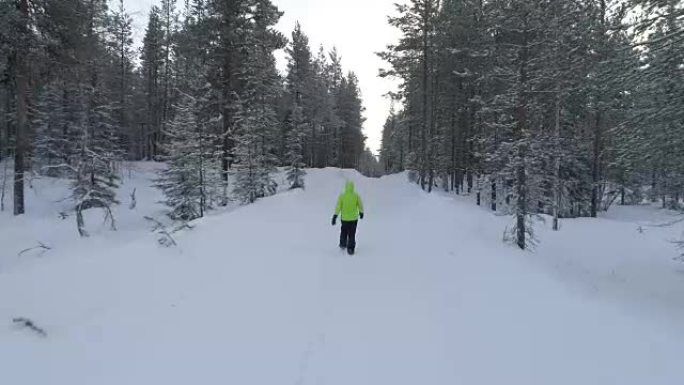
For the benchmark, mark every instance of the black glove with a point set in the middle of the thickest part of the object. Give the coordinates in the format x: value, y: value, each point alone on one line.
x: 334, y: 221
x: 361, y: 215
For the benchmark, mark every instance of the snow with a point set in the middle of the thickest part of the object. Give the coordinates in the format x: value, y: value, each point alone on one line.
x: 262, y: 295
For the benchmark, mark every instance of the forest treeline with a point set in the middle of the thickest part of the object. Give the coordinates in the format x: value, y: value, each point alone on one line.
x: 202, y: 94
x: 540, y: 106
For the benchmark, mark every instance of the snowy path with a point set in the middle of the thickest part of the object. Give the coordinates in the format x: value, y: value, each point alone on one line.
x: 263, y: 296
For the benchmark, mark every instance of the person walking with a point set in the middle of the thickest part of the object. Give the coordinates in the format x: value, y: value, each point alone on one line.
x: 350, y: 208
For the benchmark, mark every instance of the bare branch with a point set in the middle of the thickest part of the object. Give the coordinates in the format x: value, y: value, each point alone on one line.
x: 134, y: 202
x: 26, y: 323
x: 40, y: 246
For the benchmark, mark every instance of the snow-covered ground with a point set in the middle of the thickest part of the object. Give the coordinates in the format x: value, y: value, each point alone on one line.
x: 261, y: 294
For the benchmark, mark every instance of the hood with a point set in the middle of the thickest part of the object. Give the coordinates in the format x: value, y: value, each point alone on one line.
x: 349, y: 187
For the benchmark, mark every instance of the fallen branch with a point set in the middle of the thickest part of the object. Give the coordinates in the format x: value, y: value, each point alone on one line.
x: 671, y: 223
x: 182, y: 226
x: 680, y: 246
x: 166, y: 239
x: 157, y: 225
x: 40, y: 246
x: 26, y: 323
x: 4, y: 185
x: 134, y: 202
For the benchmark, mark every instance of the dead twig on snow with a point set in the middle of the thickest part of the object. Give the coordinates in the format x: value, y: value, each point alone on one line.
x: 40, y: 246
x: 26, y: 323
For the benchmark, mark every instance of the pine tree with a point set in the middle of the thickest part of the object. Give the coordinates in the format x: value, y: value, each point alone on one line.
x: 53, y: 144
x: 349, y: 110
x: 169, y: 21
x: 184, y: 181
x: 294, y: 157
x: 334, y: 74
x: 229, y: 26
x: 393, y: 147
x: 255, y: 147
x: 97, y: 143
x: 299, y: 83
x: 653, y: 134
x: 413, y: 59
x: 122, y: 45
x: 21, y: 74
x: 152, y: 67
x: 95, y: 178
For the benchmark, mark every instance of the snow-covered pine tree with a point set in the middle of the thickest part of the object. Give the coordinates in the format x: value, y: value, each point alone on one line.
x: 96, y: 156
x: 21, y: 19
x: 294, y: 157
x: 299, y: 82
x: 254, y: 171
x: 258, y: 124
x: 97, y: 151
x: 169, y: 29
x: 188, y: 152
x: 514, y: 112
x: 194, y: 75
x: 297, y: 124
x: 7, y: 15
x: 414, y: 60
x: 391, y: 148
x: 461, y: 60
x: 53, y: 146
x: 369, y: 165
x: 653, y: 137
x: 333, y: 76
x: 151, y: 69
x: 121, y: 43
x: 322, y: 130
x: 350, y: 110
x: 229, y: 24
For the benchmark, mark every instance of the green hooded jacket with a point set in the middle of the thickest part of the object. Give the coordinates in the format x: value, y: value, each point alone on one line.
x: 349, y: 204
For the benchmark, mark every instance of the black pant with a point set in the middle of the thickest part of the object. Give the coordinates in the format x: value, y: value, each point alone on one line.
x: 348, y: 235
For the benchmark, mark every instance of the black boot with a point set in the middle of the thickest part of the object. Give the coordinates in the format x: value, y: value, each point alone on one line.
x: 344, y: 233
x: 350, y: 250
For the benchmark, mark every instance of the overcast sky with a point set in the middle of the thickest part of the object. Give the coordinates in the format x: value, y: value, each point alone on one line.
x: 358, y: 28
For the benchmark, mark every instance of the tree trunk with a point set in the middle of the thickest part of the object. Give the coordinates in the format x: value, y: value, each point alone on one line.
x: 425, y: 87
x: 452, y: 131
x: 227, y: 142
x: 4, y: 129
x: 468, y: 150
x: 598, y: 139
x: 3, y: 188
x: 312, y: 162
x: 557, y: 190
x: 122, y: 64
x: 521, y: 210
x: 22, y: 112
x: 521, y: 128
x: 203, y: 199
x: 167, y: 76
x: 596, y: 166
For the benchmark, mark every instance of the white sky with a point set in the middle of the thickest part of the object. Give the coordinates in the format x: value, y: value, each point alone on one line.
x: 358, y: 28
